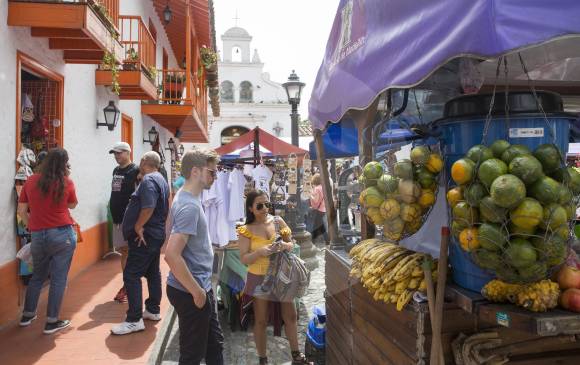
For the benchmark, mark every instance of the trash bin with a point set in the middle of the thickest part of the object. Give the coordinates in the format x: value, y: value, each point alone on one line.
x: 314, y: 347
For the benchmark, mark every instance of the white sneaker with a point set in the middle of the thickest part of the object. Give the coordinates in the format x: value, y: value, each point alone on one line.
x: 128, y: 327
x: 150, y: 316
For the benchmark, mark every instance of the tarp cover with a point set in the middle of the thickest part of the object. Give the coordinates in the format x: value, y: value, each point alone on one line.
x: 378, y: 44
x: 275, y: 145
x: 340, y: 140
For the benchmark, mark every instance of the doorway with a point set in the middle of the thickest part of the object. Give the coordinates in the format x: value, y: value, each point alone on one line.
x: 127, y: 131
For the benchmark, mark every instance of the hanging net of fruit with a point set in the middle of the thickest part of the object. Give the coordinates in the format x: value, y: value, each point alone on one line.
x: 512, y: 208
x: 399, y: 201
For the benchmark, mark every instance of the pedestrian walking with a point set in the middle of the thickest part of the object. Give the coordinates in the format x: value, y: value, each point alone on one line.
x: 256, y: 243
x: 317, y: 219
x: 144, y: 229
x: 122, y: 187
x: 190, y: 257
x: 44, y: 207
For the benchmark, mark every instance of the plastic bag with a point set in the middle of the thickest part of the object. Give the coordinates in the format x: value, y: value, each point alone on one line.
x: 25, y: 254
x: 470, y: 75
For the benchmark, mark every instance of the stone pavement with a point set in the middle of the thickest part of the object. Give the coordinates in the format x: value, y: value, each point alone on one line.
x: 239, y: 346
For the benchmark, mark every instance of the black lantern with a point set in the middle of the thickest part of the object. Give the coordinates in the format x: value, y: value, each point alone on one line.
x: 111, y: 113
x: 178, y: 133
x: 181, y: 150
x: 153, y: 135
x: 167, y: 14
x: 293, y: 88
x: 170, y: 145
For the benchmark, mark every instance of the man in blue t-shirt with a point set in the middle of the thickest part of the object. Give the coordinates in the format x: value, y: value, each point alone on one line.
x: 144, y: 229
x: 189, y: 255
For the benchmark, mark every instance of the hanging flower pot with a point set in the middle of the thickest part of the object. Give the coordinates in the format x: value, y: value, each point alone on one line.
x: 211, y: 76
x: 211, y: 68
x: 214, y: 91
x: 213, y: 83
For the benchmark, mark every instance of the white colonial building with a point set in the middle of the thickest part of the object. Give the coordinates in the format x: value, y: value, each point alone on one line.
x: 248, y: 98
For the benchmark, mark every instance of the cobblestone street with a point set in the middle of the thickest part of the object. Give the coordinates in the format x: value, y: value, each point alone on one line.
x: 239, y: 346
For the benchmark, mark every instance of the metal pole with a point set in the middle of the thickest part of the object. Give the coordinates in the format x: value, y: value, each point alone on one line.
x: 295, y: 119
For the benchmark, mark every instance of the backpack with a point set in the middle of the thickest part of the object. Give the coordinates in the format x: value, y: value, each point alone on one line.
x: 287, y: 277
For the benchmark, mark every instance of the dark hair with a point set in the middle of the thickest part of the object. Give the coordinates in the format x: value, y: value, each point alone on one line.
x: 250, y: 198
x: 52, y: 173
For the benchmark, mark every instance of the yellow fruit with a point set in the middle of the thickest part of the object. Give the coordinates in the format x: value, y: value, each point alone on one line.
x: 410, y: 212
x: 435, y: 163
x: 468, y: 239
x: 390, y: 209
x: 426, y: 199
x: 463, y: 171
x: 454, y: 196
x: 414, y: 226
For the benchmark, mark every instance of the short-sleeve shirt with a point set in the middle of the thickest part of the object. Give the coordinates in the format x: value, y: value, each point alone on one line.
x: 44, y: 212
x: 122, y: 186
x: 188, y: 218
x: 262, y: 176
x: 153, y: 192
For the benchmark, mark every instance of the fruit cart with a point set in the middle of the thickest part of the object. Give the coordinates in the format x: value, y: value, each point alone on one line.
x: 516, y: 48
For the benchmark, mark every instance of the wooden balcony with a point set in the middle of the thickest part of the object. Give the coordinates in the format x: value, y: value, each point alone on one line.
x: 181, y: 104
x: 83, y: 29
x: 136, y: 78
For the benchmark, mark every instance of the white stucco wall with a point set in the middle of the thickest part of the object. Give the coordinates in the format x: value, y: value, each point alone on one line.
x: 83, y: 103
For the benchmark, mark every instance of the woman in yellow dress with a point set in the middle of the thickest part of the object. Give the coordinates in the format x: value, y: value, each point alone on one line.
x: 257, y: 242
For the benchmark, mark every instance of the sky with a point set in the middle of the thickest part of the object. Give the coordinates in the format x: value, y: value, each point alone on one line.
x: 289, y: 35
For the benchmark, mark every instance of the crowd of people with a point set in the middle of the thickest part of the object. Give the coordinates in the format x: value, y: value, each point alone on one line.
x: 140, y: 205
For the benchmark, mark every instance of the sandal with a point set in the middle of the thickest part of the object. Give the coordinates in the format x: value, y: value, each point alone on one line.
x: 298, y: 358
x: 263, y: 360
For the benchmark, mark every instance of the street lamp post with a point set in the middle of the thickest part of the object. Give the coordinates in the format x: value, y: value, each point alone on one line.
x: 296, y: 216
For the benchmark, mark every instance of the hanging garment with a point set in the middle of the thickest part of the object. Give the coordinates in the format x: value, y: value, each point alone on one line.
x: 246, y: 154
x: 222, y: 202
x: 262, y: 176
x: 236, y: 185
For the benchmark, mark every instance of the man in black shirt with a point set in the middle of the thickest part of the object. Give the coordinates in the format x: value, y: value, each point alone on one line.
x: 123, y: 185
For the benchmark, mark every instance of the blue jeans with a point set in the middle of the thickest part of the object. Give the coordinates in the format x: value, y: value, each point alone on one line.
x: 52, y: 251
x: 142, y: 261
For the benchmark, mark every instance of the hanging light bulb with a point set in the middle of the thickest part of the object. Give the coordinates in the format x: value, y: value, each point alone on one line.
x: 167, y: 13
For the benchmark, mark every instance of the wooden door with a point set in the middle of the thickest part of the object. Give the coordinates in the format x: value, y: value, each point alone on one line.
x: 127, y: 131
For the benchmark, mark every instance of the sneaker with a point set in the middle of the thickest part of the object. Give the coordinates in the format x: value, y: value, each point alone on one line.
x: 151, y: 316
x: 25, y: 320
x: 56, y: 326
x: 121, y: 296
x: 128, y: 327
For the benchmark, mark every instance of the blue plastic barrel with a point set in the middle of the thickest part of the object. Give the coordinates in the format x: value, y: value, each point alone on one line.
x: 458, y: 135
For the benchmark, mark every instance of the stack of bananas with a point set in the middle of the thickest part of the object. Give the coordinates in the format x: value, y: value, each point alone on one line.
x: 536, y: 297
x: 391, y: 273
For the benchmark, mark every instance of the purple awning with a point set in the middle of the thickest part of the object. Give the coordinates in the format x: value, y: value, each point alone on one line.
x: 379, y: 44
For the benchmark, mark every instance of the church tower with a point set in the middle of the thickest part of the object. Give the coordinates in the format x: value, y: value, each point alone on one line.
x: 236, y: 45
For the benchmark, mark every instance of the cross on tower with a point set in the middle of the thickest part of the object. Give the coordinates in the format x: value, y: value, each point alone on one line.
x: 236, y: 18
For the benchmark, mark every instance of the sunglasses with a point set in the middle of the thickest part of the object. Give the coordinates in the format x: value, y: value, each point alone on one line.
x: 261, y: 206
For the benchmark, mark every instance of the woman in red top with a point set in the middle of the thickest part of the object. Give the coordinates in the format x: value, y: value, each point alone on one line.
x: 44, y: 207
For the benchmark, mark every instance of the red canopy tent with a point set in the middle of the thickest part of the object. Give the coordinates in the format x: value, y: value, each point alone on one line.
x: 262, y: 138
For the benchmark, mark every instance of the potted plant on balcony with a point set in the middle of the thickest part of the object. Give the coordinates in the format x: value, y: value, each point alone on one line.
x: 209, y: 59
x: 174, y: 84
x: 132, y: 60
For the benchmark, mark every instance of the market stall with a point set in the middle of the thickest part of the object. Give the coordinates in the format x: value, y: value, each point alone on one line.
x: 499, y: 49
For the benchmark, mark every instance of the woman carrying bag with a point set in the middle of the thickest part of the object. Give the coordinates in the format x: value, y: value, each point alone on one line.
x: 257, y: 241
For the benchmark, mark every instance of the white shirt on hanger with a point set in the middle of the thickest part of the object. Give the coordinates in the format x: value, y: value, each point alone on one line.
x: 236, y: 185
x: 262, y: 176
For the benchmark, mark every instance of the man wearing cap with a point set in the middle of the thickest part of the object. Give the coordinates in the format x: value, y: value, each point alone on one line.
x: 123, y: 185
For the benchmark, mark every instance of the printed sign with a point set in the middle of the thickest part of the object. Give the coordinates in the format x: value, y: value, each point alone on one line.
x: 526, y: 132
x: 503, y: 319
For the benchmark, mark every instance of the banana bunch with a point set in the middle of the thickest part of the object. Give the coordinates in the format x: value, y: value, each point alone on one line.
x: 390, y: 272
x: 536, y: 297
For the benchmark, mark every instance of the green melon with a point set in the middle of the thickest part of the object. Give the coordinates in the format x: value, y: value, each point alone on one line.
x: 534, y: 273
x: 420, y: 155
x: 425, y: 178
x: 491, y: 169
x: 388, y: 184
x: 457, y: 226
x: 554, y: 216
x: 570, y: 211
x: 550, y: 157
x: 373, y: 197
x: 520, y: 253
x: 486, y: 259
x: 574, y: 184
x: 546, y: 190
x: 561, y: 175
x: 491, y: 212
x: 474, y: 193
x: 507, y: 191
x: 465, y: 214
x: 492, y: 237
x: 367, y: 183
x: 499, y: 147
x: 552, y: 250
x: 565, y: 196
x: 373, y: 170
x: 479, y: 153
x: 514, y: 151
x: 520, y: 232
x: 528, y: 214
x: 527, y: 168
x: 403, y: 169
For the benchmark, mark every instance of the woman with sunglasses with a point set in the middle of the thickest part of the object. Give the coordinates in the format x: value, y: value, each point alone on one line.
x: 257, y: 242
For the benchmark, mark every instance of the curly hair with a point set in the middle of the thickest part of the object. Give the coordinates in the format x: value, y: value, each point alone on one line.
x: 53, y: 170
